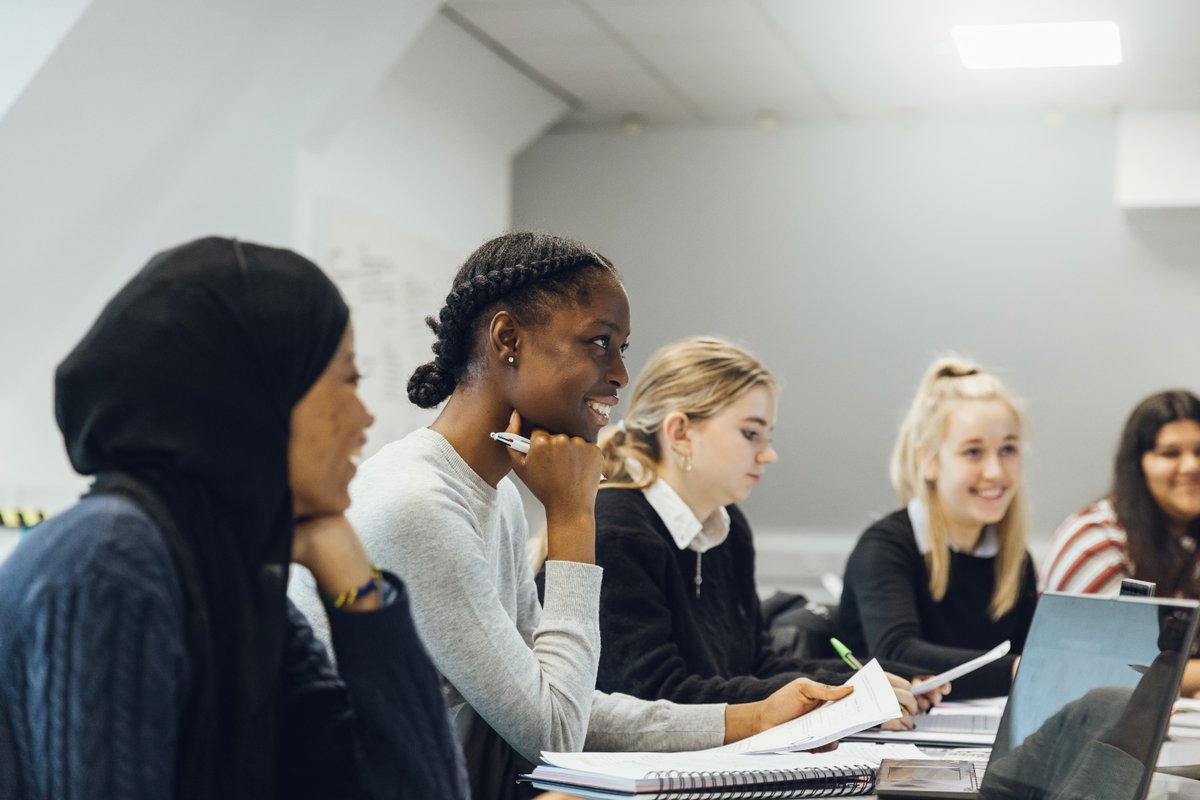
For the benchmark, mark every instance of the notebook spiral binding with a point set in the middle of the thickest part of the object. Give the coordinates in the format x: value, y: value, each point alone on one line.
x: 763, y: 784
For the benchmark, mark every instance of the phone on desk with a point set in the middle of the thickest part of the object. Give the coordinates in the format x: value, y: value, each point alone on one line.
x: 1134, y: 588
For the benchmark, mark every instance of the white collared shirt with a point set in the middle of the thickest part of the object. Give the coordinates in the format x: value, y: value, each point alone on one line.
x: 988, y: 546
x: 688, y: 532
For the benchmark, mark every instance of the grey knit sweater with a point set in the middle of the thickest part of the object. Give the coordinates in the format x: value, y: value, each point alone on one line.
x: 529, y: 671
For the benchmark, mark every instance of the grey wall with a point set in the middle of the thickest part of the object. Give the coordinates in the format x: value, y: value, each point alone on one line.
x: 848, y: 255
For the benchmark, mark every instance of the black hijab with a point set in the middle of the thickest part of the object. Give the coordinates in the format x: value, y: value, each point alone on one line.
x: 180, y: 397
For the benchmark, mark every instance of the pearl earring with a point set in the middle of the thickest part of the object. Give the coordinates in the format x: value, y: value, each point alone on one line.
x: 511, y: 361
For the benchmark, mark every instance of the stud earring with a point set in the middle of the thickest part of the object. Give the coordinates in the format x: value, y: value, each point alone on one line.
x: 685, y: 462
x: 511, y: 361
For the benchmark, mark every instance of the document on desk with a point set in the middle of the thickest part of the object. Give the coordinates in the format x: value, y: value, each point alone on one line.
x: 872, y: 702
x: 951, y: 717
x: 924, y: 738
x: 928, y: 685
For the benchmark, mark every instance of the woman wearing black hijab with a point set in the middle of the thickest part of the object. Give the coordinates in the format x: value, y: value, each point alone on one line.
x: 147, y: 647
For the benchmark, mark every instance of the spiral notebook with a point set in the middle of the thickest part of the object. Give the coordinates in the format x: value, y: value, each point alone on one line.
x: 849, y: 770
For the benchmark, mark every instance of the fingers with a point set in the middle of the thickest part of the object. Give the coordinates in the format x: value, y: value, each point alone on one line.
x: 903, y: 690
x: 933, y: 697
x: 904, y: 723
x: 820, y: 691
x: 908, y: 700
x: 793, y: 700
x: 517, y: 460
x: 514, y: 423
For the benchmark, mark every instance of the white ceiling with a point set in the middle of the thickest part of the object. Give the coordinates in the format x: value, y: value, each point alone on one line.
x: 682, y: 62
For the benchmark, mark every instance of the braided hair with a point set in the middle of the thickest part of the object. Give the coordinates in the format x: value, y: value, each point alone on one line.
x: 529, y: 274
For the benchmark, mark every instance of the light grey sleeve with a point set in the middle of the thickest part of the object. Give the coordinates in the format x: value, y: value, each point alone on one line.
x: 537, y: 699
x: 621, y: 722
x: 302, y: 591
x: 529, y: 607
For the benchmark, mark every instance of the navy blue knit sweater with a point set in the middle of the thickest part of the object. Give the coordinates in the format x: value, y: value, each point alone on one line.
x: 93, y: 678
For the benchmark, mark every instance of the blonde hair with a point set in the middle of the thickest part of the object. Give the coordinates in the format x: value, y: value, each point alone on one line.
x: 699, y: 377
x: 949, y: 381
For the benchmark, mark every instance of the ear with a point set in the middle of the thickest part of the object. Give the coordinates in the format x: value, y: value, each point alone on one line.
x: 503, y: 337
x: 677, y: 430
x: 928, y: 464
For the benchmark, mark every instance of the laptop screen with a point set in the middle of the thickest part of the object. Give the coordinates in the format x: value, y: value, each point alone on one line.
x: 1092, y: 697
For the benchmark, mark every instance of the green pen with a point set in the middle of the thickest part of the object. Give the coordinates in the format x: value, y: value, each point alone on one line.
x: 845, y: 654
x: 853, y: 662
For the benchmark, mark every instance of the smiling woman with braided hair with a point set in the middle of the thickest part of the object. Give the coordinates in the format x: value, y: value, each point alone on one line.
x: 530, y: 340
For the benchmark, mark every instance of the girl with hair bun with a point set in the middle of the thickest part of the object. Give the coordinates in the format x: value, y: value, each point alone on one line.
x: 529, y: 341
x: 948, y: 576
x: 1149, y: 525
x: 680, y: 617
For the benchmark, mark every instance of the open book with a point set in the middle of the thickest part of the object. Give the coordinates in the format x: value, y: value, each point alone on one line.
x: 669, y: 776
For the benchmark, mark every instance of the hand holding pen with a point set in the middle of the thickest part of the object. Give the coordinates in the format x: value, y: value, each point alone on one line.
x: 563, y: 473
x: 515, y: 441
x: 909, y: 704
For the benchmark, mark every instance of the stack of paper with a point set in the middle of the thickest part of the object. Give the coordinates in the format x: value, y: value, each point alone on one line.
x: 850, y: 769
x: 761, y: 765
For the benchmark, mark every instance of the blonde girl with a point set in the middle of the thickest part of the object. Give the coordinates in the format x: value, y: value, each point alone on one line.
x: 679, y: 612
x: 948, y: 576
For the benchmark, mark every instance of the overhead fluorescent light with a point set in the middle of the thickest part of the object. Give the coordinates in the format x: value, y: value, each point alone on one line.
x: 1055, y: 44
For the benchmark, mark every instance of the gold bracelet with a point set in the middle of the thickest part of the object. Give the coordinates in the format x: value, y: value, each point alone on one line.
x: 352, y: 596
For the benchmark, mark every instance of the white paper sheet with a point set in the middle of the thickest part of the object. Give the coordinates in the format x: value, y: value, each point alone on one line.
x: 872, y: 702
x: 999, y: 651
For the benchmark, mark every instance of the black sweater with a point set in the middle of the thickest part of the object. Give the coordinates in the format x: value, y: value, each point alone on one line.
x: 660, y: 641
x: 887, y: 611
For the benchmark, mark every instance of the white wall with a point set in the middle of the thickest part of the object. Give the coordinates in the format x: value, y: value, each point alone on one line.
x: 848, y: 255
x: 419, y: 175
x: 152, y: 124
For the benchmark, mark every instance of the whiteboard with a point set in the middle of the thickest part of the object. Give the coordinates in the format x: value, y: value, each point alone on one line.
x: 392, y: 278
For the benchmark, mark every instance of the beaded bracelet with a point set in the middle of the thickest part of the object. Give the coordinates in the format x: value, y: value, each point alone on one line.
x: 352, y: 596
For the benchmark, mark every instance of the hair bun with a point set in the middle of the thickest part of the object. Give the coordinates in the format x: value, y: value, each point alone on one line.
x: 429, y: 385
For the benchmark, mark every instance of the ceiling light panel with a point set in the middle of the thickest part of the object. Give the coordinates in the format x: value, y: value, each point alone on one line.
x: 1056, y: 44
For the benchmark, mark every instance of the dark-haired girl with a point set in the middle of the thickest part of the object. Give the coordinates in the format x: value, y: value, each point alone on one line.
x: 1149, y: 525
x: 530, y: 340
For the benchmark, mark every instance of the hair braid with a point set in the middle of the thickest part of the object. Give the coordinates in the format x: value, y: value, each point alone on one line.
x: 503, y: 268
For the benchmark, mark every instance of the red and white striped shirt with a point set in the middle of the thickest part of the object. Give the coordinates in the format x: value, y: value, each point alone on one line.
x: 1089, y: 553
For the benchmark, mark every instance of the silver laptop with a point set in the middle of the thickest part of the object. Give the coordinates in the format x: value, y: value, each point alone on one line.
x: 1088, y: 710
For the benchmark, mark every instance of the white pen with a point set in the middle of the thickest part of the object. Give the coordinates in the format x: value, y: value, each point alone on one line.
x: 518, y: 443
x: 515, y: 442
